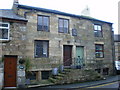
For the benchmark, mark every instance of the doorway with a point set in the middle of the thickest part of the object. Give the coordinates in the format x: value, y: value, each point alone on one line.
x: 67, y: 55
x: 79, y: 55
x: 10, y: 69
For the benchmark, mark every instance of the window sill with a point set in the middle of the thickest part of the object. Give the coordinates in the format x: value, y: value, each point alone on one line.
x: 4, y: 41
x: 41, y: 57
x: 99, y: 58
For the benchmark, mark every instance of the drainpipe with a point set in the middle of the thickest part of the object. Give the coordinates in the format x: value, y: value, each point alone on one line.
x: 31, y: 11
x: 113, y: 51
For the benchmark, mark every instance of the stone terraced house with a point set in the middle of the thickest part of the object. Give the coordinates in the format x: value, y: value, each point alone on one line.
x: 117, y: 46
x: 51, y: 38
x: 117, y: 52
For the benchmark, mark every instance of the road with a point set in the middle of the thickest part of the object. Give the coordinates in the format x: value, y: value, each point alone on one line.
x: 106, y: 86
x: 112, y: 86
x: 110, y: 83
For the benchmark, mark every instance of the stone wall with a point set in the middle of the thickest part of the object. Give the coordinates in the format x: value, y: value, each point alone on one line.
x: 22, y: 37
x: 17, y: 43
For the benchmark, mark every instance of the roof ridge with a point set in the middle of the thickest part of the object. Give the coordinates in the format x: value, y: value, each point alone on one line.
x: 59, y: 12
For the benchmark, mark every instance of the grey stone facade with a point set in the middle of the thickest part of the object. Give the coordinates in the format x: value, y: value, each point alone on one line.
x: 117, y: 47
x: 23, y: 36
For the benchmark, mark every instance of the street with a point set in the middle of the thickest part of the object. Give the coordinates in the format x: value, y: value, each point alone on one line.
x: 108, y: 86
x: 112, y: 85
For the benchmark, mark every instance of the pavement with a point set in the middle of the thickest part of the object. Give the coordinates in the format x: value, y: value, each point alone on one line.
x: 1, y: 78
x: 80, y: 85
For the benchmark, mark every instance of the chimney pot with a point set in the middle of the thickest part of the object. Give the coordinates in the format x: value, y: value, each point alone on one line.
x: 16, y: 1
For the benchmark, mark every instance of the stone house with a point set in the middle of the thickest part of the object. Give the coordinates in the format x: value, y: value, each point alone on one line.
x: 117, y: 46
x: 117, y: 52
x: 51, y: 38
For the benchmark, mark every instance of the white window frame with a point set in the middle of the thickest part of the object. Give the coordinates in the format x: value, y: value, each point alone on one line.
x: 5, y: 28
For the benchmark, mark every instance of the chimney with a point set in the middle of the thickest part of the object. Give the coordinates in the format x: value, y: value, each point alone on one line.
x: 15, y: 2
x: 15, y: 5
x: 86, y: 11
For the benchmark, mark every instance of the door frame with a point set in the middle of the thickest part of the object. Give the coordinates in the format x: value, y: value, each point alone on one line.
x: 4, y: 71
x: 83, y: 52
x: 71, y: 53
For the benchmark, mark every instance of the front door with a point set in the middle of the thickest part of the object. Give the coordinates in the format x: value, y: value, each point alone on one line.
x: 67, y: 55
x: 79, y: 55
x: 10, y: 67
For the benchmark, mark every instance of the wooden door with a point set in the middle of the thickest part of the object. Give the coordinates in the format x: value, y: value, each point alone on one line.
x: 79, y: 55
x: 10, y: 67
x: 67, y: 55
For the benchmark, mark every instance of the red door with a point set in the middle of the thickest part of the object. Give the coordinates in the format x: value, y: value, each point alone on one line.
x: 67, y: 55
x: 10, y: 67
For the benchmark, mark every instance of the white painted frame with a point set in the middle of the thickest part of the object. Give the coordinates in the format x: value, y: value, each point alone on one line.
x: 6, y: 28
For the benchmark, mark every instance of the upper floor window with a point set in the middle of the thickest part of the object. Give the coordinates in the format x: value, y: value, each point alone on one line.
x: 41, y: 48
x: 98, y: 30
x: 63, y: 25
x: 43, y: 23
x: 99, y: 51
x: 4, y: 31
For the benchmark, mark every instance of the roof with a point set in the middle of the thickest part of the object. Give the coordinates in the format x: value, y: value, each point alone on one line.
x: 58, y: 12
x: 9, y: 14
x: 117, y: 38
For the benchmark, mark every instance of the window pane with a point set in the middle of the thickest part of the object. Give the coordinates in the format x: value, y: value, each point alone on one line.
x: 38, y: 48
x: 45, y: 46
x: 95, y: 27
x: 3, y: 33
x: 101, y: 54
x: 0, y: 33
x: 40, y: 20
x: 99, y: 51
x: 46, y: 23
x: 40, y: 23
x: 97, y: 31
x: 99, y: 27
x: 65, y: 26
x: 41, y: 48
x: 60, y: 25
x: 66, y: 23
x: 3, y: 25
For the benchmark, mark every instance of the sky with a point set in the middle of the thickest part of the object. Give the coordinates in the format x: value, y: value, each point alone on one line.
x: 106, y: 10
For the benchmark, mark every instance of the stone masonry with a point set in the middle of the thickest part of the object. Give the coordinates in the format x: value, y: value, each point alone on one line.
x: 22, y: 37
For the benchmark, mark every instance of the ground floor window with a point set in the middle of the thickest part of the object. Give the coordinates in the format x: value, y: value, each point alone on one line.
x: 31, y: 75
x: 41, y: 48
x: 105, y: 71
x: 45, y: 74
x: 98, y: 70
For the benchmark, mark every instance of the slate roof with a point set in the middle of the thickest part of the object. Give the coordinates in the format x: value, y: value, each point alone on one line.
x: 58, y: 12
x: 117, y: 38
x: 9, y: 14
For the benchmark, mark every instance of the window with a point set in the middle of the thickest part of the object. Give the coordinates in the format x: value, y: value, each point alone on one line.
x: 118, y: 57
x: 98, y: 70
x: 99, y: 52
x: 97, y: 30
x: 63, y: 26
x: 41, y: 48
x: 105, y: 71
x: 74, y: 32
x: 31, y: 75
x: 45, y: 74
x: 4, y: 31
x: 43, y: 23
